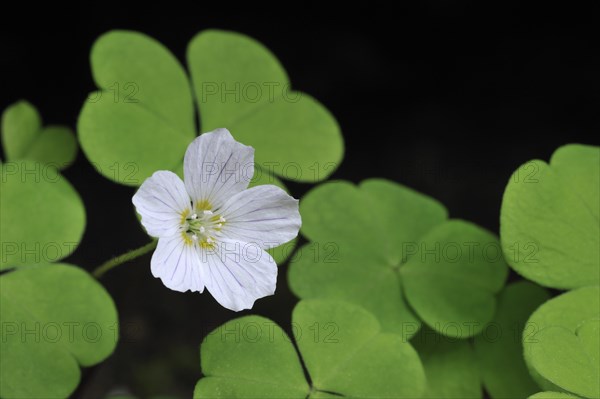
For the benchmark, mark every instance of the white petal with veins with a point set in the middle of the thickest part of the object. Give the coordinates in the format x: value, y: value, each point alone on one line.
x: 239, y: 274
x: 265, y: 215
x: 216, y: 167
x: 178, y: 265
x: 160, y: 201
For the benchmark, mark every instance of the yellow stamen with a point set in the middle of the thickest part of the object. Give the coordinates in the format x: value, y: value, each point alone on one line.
x: 186, y: 238
x: 203, y: 205
x: 184, y: 215
x: 205, y: 244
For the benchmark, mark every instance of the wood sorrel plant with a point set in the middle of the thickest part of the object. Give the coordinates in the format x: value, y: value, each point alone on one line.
x: 397, y: 299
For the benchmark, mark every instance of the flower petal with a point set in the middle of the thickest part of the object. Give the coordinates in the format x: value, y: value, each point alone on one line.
x: 178, y: 264
x: 265, y: 215
x: 239, y: 274
x: 216, y: 167
x: 161, y: 201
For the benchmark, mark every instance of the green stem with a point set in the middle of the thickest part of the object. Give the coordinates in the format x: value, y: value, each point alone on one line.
x: 126, y: 257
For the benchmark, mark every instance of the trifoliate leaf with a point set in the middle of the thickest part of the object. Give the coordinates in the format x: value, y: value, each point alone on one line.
x: 332, y: 270
x: 562, y: 342
x: 142, y: 118
x: 342, y: 346
x: 550, y: 226
x: 395, y: 248
x: 43, y: 218
x: 499, y: 347
x: 450, y: 366
x: 23, y: 137
x: 54, y: 319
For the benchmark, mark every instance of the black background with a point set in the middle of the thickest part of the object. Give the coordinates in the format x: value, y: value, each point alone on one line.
x: 445, y: 97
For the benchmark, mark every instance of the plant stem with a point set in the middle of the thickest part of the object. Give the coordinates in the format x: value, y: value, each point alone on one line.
x: 123, y: 258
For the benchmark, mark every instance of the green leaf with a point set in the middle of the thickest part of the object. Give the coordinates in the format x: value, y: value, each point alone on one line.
x: 328, y: 270
x: 370, y: 247
x: 250, y: 357
x: 450, y: 366
x: 282, y: 253
x: 455, y: 258
x: 56, y: 146
x: 562, y: 342
x: 54, y: 320
x: 162, y: 87
x: 342, y: 346
x: 21, y: 123
x: 240, y: 85
x: 550, y: 224
x: 405, y: 215
x: 142, y: 119
x: 261, y: 177
x: 552, y: 395
x: 357, y: 262
x: 499, y: 347
x: 23, y: 137
x: 43, y: 218
x: 346, y: 352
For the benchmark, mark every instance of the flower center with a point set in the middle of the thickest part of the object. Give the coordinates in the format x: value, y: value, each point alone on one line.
x: 203, y: 226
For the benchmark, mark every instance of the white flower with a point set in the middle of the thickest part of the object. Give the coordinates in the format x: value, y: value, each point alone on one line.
x: 212, y: 231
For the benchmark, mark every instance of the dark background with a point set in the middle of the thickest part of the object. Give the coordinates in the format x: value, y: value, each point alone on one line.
x: 446, y: 97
